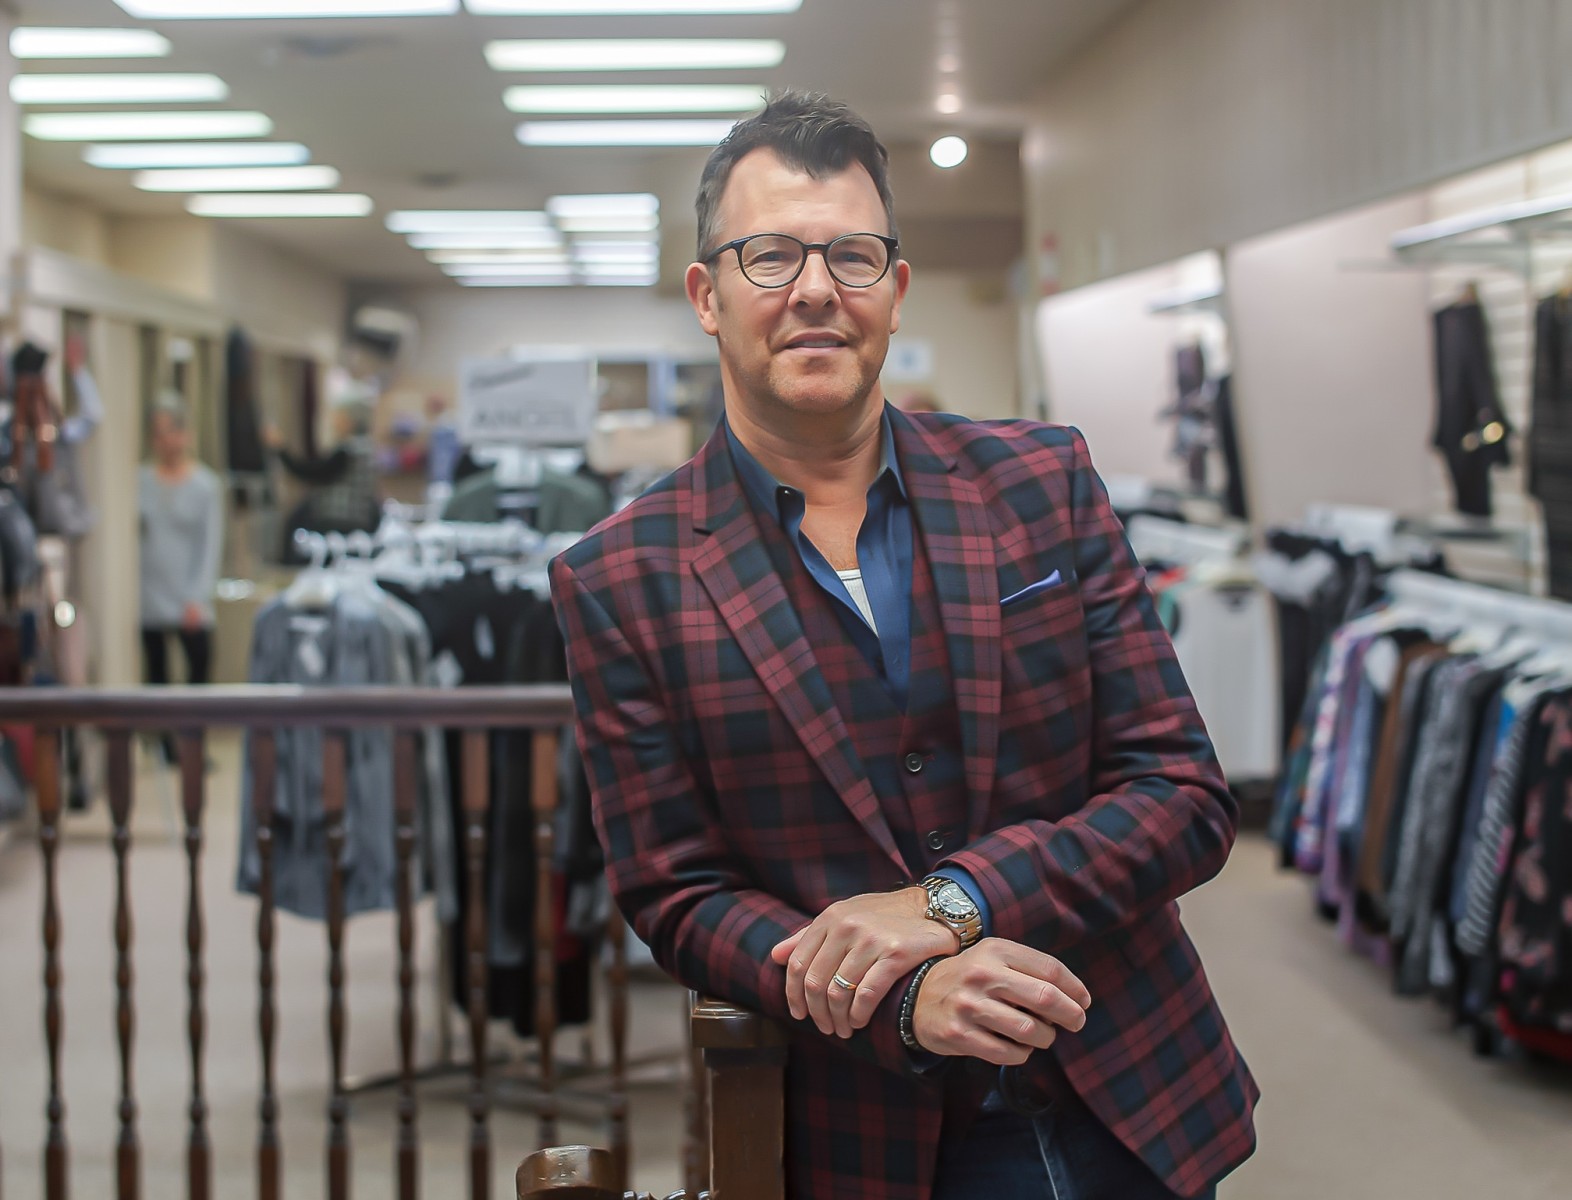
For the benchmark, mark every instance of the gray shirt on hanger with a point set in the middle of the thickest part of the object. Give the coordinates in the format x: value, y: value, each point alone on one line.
x: 182, y: 536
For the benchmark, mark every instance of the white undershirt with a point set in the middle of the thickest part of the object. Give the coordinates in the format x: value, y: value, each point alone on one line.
x: 859, y: 595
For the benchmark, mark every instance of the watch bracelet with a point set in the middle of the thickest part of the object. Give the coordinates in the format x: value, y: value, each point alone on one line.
x: 909, y: 1002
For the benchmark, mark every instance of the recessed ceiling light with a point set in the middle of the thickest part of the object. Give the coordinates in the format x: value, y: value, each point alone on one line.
x: 238, y: 179
x: 614, y: 204
x: 118, y: 89
x: 134, y: 156
x: 655, y: 54
x: 948, y: 152
x: 623, y: 8
x: 623, y: 133
x: 266, y: 205
x: 630, y: 223
x: 215, y: 10
x: 145, y: 126
x: 481, y: 239
x: 948, y: 103
x: 949, y: 63
x: 635, y: 98
x: 464, y: 221
x: 38, y: 42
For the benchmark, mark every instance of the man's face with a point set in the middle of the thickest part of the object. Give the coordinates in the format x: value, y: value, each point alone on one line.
x: 813, y: 346
x: 169, y: 438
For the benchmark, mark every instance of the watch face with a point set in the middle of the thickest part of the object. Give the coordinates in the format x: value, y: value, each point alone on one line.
x: 953, y: 903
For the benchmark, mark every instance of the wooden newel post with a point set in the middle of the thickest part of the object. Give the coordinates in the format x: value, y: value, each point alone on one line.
x: 569, y: 1173
x: 745, y: 1059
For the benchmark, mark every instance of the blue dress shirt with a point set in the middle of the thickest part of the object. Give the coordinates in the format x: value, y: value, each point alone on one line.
x: 884, y: 555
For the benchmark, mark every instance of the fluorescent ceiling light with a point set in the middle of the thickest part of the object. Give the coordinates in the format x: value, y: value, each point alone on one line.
x: 481, y: 239
x: 215, y: 10
x: 145, y: 126
x: 153, y: 156
x: 616, y: 204
x: 36, y: 42
x: 516, y: 281
x: 463, y: 221
x: 623, y: 133
x: 118, y: 89
x: 237, y: 204
x: 615, y: 270
x: 517, y: 268
x: 620, y: 258
x: 663, y: 8
x: 611, y: 224
x: 621, y: 281
x: 654, y: 54
x: 479, y: 257
x: 634, y: 98
x: 238, y: 179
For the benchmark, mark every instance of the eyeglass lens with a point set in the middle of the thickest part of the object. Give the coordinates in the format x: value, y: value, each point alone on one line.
x: 856, y: 259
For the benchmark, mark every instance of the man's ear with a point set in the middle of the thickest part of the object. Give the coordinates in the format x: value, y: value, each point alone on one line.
x: 700, y: 286
x: 903, y: 279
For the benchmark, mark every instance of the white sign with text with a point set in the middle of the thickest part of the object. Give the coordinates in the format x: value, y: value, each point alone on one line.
x: 545, y: 402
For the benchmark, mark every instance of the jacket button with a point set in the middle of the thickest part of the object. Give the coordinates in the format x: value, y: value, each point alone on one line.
x: 914, y: 762
x: 936, y: 840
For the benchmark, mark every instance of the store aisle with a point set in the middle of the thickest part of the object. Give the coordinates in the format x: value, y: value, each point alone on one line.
x: 1367, y: 1097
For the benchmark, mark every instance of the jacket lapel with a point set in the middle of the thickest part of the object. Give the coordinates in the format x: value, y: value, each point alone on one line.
x: 736, y: 570
x: 953, y: 522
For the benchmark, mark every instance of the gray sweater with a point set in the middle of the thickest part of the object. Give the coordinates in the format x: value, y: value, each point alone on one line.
x: 182, y: 536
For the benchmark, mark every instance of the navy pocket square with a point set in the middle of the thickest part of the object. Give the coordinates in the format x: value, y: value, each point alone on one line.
x: 1042, y: 585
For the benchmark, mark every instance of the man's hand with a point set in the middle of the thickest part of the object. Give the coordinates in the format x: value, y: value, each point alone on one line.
x: 869, y: 941
x: 998, y: 1002
x: 191, y: 618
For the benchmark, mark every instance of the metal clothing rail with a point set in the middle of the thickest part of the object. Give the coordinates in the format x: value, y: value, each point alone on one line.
x: 1475, y: 603
x: 1157, y: 540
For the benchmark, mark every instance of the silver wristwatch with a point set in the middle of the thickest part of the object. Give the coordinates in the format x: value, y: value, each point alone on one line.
x: 949, y: 904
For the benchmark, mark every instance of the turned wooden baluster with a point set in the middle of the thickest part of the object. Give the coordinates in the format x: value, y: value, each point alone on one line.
x: 128, y: 1153
x: 617, y: 1118
x: 199, y: 1153
x: 407, y: 768
x: 543, y: 800
x: 477, y: 783
x: 334, y: 751
x: 745, y: 1058
x: 580, y: 1173
x: 264, y: 781
x: 46, y: 751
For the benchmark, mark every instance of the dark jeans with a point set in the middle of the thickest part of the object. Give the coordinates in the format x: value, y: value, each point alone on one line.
x: 198, y: 647
x: 1067, y: 1154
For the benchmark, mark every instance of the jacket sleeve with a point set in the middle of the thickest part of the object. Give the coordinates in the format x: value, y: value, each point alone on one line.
x: 670, y: 866
x: 1159, y: 819
x: 329, y: 469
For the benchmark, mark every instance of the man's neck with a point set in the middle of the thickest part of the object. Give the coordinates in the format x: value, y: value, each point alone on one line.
x: 174, y: 469
x: 829, y: 462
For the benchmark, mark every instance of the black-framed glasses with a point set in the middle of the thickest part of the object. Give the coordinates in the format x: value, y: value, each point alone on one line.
x: 773, y: 260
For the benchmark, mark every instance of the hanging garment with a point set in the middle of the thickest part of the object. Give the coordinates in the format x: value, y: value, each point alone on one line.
x: 1470, y: 426
x: 1550, y: 439
x: 242, y: 429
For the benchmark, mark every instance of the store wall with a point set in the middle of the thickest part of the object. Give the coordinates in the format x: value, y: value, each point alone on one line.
x: 281, y: 299
x: 1201, y: 123
x: 1333, y: 373
x: 970, y: 327
x: 70, y: 226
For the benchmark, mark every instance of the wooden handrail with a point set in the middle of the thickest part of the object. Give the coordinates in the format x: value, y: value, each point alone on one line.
x: 535, y: 706
x: 745, y: 1063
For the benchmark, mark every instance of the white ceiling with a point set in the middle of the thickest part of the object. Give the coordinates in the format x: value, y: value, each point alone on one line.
x: 409, y: 112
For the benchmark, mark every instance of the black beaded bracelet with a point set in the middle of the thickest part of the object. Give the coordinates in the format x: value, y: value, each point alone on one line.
x: 909, y: 1003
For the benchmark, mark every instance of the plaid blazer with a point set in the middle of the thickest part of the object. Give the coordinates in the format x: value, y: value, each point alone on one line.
x: 733, y: 806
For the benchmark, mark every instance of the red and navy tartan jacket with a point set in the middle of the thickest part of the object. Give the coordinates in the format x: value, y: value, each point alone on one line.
x: 733, y: 807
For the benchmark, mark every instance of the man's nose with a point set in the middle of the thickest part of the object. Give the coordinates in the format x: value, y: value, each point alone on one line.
x: 815, y: 284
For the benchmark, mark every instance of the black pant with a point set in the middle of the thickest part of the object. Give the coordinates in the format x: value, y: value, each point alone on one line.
x: 198, y: 647
x: 196, y: 643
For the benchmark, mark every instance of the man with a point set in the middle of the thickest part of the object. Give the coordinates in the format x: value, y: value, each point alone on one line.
x: 343, y: 484
x: 855, y: 688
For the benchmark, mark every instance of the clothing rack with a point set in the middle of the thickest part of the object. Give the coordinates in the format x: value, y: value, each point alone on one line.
x: 1476, y: 604
x: 1157, y: 540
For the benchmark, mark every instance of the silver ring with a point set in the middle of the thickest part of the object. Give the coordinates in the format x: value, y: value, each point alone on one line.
x: 838, y: 981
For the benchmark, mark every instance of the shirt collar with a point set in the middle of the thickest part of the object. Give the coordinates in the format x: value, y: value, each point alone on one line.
x: 765, y: 491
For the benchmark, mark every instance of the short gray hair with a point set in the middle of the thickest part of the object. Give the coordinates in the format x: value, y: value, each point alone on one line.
x: 812, y: 133
x: 171, y: 404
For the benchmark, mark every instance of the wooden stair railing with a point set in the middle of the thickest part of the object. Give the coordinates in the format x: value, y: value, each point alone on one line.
x: 744, y: 1076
